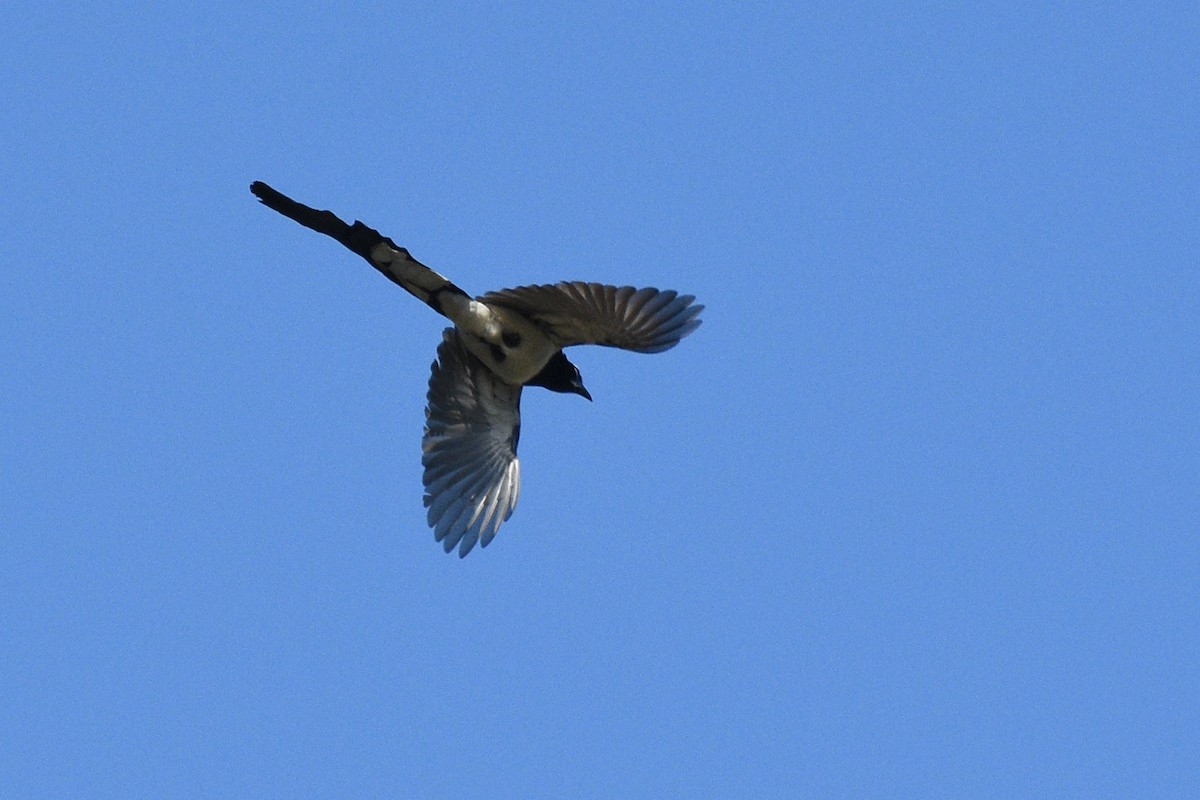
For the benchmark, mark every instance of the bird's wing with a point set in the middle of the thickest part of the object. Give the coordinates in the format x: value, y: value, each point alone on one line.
x: 472, y: 423
x: 645, y: 320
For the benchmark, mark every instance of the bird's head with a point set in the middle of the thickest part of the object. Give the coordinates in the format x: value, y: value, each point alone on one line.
x: 560, y: 375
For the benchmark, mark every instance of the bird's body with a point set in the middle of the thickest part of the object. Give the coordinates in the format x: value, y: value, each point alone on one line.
x: 506, y: 341
x: 500, y: 342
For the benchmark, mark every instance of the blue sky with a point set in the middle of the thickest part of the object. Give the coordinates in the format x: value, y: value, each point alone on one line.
x: 913, y: 514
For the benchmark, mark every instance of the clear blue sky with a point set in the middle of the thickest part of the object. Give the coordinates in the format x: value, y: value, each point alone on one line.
x: 913, y: 514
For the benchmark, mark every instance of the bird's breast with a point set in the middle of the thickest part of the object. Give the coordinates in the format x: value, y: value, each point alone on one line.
x: 511, y: 346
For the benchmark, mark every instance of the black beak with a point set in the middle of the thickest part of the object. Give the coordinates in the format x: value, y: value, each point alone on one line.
x: 580, y: 390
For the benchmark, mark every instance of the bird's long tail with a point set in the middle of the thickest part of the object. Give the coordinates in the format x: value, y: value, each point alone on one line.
x: 382, y: 253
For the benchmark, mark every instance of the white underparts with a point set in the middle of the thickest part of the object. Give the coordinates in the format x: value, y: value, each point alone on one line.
x: 510, y: 345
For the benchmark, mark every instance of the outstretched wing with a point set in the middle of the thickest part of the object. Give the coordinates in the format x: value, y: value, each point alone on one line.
x: 472, y: 423
x: 645, y: 320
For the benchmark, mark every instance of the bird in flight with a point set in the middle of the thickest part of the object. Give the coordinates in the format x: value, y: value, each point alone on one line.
x: 499, y: 343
